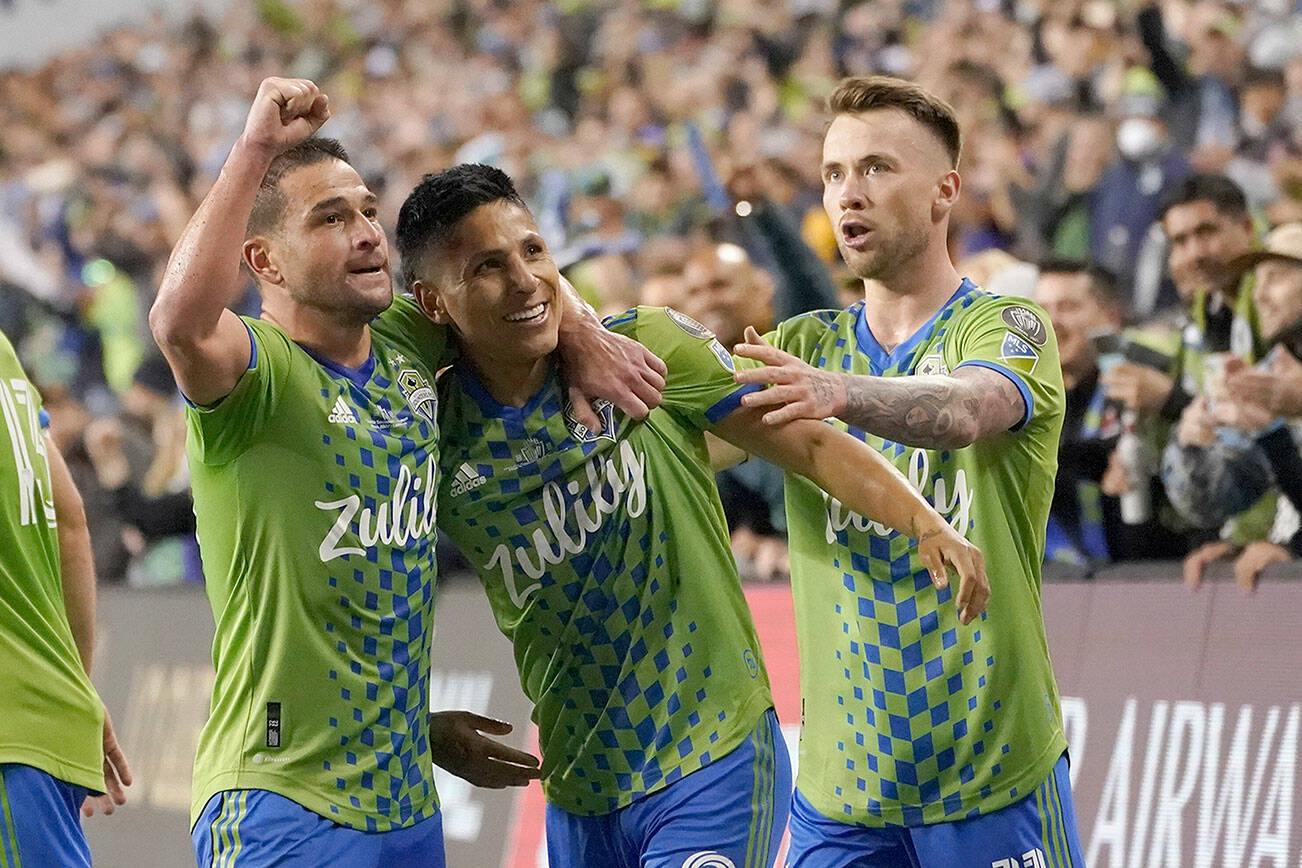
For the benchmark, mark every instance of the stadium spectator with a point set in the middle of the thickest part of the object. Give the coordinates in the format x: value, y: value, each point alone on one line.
x: 58, y: 752
x: 1207, y: 225
x: 1085, y: 525
x: 138, y: 457
x: 1248, y: 440
x: 1127, y: 198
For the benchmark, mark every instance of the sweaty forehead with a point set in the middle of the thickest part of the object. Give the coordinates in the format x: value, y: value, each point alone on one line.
x: 886, y: 132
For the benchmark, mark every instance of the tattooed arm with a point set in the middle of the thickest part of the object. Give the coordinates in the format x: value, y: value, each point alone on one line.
x: 934, y: 412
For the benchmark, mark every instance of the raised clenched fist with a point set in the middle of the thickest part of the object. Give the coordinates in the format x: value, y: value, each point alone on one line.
x: 285, y: 112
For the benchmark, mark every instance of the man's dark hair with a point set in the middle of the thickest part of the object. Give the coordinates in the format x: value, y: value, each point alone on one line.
x: 1259, y: 77
x: 269, y: 204
x: 1224, y: 195
x: 1103, y: 284
x: 867, y: 93
x: 441, y: 201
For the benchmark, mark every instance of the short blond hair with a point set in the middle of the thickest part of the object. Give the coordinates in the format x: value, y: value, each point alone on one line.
x: 871, y: 92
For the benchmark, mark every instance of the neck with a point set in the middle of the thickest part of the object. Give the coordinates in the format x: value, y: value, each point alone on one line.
x: 899, y: 304
x: 343, y: 343
x: 511, y: 383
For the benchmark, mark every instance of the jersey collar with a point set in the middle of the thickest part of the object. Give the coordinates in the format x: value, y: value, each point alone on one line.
x: 882, y: 361
x: 358, y: 376
x: 488, y: 405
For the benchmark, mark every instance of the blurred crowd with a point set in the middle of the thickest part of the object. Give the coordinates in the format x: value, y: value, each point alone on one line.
x: 1122, y: 163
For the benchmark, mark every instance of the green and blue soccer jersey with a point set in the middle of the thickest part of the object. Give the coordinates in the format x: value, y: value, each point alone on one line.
x: 315, y: 494
x: 909, y: 716
x: 52, y: 716
x: 607, y: 564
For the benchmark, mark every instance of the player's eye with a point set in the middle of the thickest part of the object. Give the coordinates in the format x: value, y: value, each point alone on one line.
x: 371, y: 214
x: 332, y: 219
x: 832, y: 175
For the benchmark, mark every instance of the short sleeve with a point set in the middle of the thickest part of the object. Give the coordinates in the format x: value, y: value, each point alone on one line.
x: 405, y: 325
x: 221, y: 431
x: 699, y: 385
x: 1013, y: 337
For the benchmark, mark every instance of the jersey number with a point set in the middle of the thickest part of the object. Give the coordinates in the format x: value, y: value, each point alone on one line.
x: 18, y: 408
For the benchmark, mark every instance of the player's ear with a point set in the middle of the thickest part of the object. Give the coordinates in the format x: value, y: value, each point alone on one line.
x: 946, y: 194
x: 430, y: 301
x: 257, y: 256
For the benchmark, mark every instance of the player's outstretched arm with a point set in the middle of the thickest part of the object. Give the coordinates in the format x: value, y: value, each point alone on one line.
x: 204, y: 342
x: 933, y: 412
x: 78, y: 574
x: 601, y: 364
x: 870, y: 485
x: 458, y: 744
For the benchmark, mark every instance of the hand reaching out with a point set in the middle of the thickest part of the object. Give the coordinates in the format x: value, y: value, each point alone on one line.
x: 796, y: 390
x: 458, y: 744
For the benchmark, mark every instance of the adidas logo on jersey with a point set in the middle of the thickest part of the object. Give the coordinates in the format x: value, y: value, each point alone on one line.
x: 467, y: 479
x: 341, y: 414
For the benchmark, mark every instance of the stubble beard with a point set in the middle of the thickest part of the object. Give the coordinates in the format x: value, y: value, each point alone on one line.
x: 888, y: 260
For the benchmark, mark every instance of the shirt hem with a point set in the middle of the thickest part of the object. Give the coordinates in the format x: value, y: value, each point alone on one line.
x: 288, y: 787
x: 751, y: 712
x: 934, y: 813
x: 70, y: 773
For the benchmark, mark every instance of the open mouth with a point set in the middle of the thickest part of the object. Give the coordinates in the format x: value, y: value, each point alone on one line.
x: 529, y: 314
x: 375, y: 269
x: 854, y: 234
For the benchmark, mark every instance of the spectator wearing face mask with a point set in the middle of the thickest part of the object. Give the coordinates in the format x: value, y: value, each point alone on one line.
x: 1128, y: 197
x: 1248, y: 438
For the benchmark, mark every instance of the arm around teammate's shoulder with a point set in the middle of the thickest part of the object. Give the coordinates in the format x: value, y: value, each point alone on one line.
x: 206, y: 344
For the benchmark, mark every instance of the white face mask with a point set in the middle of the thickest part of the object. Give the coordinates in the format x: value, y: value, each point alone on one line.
x: 1138, y: 138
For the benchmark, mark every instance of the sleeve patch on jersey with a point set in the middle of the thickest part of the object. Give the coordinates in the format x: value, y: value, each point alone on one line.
x: 1026, y: 323
x: 724, y: 357
x: 1016, y: 348
x: 689, y: 325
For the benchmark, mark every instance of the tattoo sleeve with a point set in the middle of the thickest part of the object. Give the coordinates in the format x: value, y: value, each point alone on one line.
x: 934, y: 412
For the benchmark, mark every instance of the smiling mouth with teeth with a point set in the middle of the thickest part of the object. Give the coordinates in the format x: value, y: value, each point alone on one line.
x: 528, y: 313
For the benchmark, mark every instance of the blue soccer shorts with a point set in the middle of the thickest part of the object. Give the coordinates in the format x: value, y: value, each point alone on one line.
x: 40, y: 820
x: 728, y: 814
x: 259, y: 829
x: 1038, y: 831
